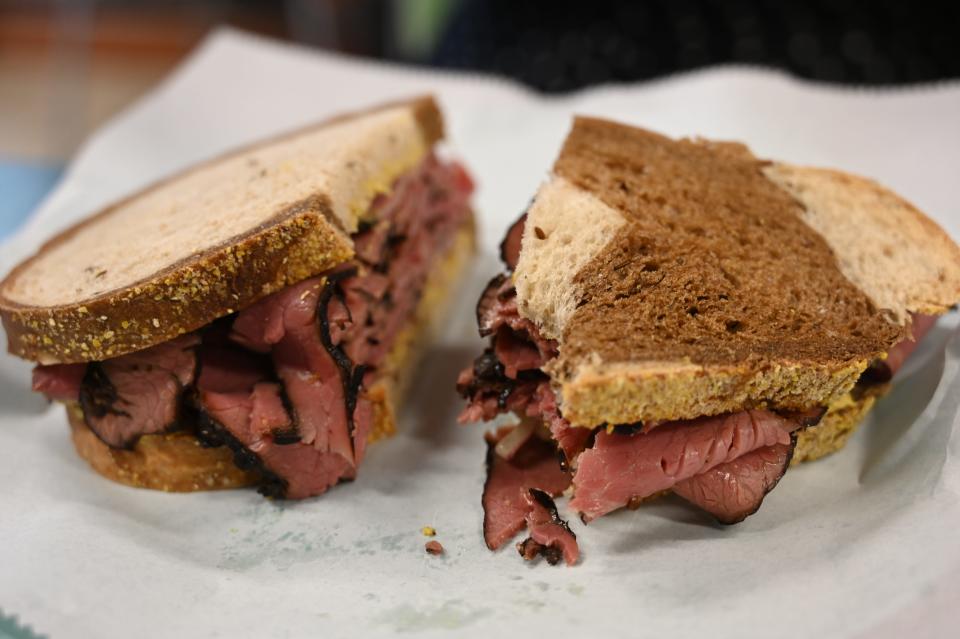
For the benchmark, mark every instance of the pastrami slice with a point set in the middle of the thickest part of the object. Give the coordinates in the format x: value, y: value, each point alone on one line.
x: 495, y: 304
x: 550, y: 535
x: 140, y: 393
x: 733, y: 491
x: 619, y: 468
x: 59, y: 382
x: 269, y: 416
x: 510, y: 246
x: 920, y: 326
x: 505, y: 510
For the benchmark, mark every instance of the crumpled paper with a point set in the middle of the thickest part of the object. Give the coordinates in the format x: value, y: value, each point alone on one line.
x: 863, y: 543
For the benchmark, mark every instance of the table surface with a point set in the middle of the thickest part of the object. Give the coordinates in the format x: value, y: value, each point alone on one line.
x: 22, y: 187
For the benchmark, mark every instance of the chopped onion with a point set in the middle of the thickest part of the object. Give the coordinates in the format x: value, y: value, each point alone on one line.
x: 508, y: 446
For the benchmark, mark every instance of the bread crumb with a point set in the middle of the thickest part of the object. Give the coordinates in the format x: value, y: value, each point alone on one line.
x: 428, y: 531
x: 433, y: 548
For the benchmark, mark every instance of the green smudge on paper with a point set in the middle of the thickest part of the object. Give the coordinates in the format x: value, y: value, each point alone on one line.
x: 451, y: 615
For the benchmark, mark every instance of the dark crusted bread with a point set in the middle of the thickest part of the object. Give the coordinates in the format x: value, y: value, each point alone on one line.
x: 211, y: 240
x: 688, y: 278
x: 177, y: 462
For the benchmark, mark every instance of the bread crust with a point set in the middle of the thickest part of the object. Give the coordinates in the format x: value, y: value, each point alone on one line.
x: 177, y: 462
x: 901, y: 258
x: 618, y: 394
x: 302, y: 239
x: 172, y: 462
x: 835, y: 429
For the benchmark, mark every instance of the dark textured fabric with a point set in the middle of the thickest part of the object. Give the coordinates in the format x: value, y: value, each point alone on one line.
x: 565, y: 45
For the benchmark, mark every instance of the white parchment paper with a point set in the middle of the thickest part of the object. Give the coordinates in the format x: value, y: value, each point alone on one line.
x: 862, y: 544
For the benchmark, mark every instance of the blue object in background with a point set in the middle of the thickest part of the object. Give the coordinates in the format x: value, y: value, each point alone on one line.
x: 23, y: 185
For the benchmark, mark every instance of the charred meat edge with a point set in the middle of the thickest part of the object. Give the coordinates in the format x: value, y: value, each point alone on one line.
x: 488, y: 463
x: 98, y: 397
x: 808, y: 420
x: 212, y: 434
x: 291, y: 434
x: 489, y: 377
x: 498, y: 280
x: 514, y: 234
x: 529, y: 548
x: 350, y: 376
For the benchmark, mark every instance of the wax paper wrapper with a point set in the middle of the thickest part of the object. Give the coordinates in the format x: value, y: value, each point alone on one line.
x: 863, y: 543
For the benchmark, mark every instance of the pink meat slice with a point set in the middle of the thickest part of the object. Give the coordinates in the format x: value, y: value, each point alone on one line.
x: 484, y: 406
x: 138, y: 394
x: 510, y: 247
x: 371, y: 247
x: 363, y: 331
x: 264, y: 324
x: 229, y: 370
x: 267, y: 414
x: 498, y: 308
x: 303, y: 470
x: 225, y: 387
x: 515, y: 353
x: 285, y: 324
x: 59, y: 382
x: 733, y: 491
x: 505, y: 509
x: 550, y: 535
x: 570, y: 439
x: 234, y: 392
x: 619, y: 468
x: 921, y: 325
x: 306, y: 471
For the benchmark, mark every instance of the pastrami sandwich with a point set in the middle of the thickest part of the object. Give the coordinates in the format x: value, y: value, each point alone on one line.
x: 253, y: 320
x: 681, y: 316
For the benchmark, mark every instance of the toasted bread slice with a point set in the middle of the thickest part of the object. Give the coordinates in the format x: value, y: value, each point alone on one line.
x: 177, y: 462
x: 688, y: 278
x: 211, y: 240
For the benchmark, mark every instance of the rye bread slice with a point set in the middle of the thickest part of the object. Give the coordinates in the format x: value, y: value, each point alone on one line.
x: 212, y: 239
x: 688, y: 278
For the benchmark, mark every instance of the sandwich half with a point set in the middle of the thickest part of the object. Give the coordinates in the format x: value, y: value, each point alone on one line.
x: 678, y: 315
x: 252, y: 320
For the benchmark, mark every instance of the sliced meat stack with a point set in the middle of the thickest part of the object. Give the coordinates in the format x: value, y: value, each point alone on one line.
x: 284, y: 382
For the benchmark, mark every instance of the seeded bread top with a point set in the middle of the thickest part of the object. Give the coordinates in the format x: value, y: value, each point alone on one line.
x: 680, y: 280
x: 212, y: 239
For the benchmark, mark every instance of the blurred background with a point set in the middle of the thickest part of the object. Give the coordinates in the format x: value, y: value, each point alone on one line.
x: 68, y: 65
